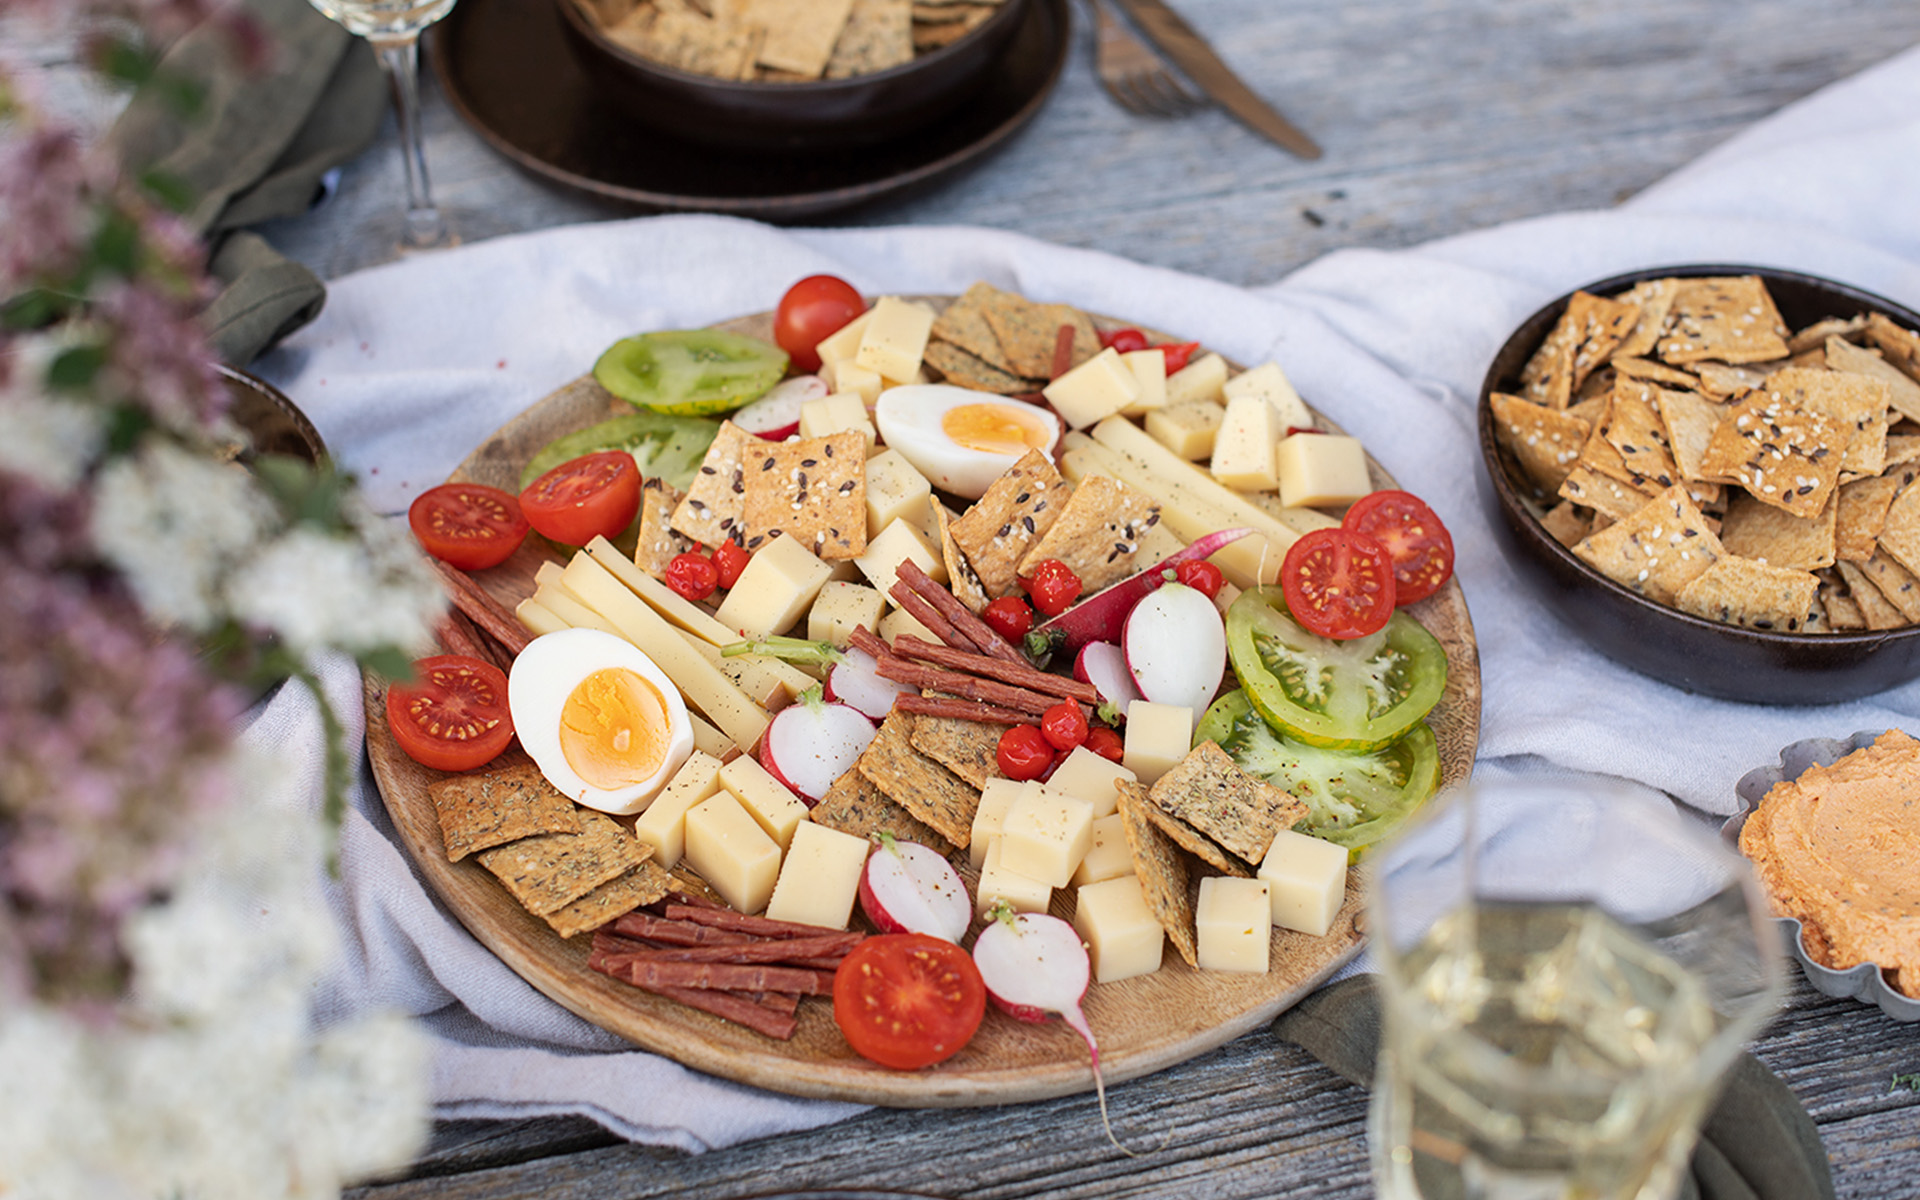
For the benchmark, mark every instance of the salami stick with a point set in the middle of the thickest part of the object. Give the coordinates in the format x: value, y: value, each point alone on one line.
x: 963, y: 710
x: 676, y: 933
x: 958, y: 615
x: 967, y: 687
x: 651, y: 973
x: 1018, y: 674
x: 453, y: 637
x: 784, y: 1003
x: 865, y: 639
x: 486, y: 612
x: 727, y: 1005
x: 921, y: 610
x: 814, y: 950
x: 1062, y: 352
x: 726, y: 918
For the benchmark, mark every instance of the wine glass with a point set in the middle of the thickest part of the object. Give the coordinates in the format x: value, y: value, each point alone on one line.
x: 393, y: 27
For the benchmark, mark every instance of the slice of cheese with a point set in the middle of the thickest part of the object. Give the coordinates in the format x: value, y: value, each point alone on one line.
x: 996, y: 798
x: 1234, y: 924
x: 537, y: 617
x: 1270, y: 383
x: 729, y: 850
x: 766, y: 799
x: 840, y: 608
x: 1158, y: 736
x: 1243, y: 449
x: 894, y: 545
x: 1202, y: 379
x: 819, y: 878
x: 1108, y: 856
x: 843, y: 343
x: 836, y: 412
x: 1322, y: 469
x: 707, y: 739
x: 1307, y: 881
x: 1123, y: 936
x: 662, y: 599
x: 895, y: 338
x: 998, y: 884
x: 895, y: 488
x: 562, y: 604
x: 1096, y: 389
x: 1149, y: 369
x: 775, y: 587
x: 1045, y: 835
x: 663, y: 824
x: 1087, y: 776
x: 846, y: 375
x: 1189, y: 429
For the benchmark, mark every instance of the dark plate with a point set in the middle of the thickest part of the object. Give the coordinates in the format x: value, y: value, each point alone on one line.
x: 509, y: 71
x: 1699, y: 655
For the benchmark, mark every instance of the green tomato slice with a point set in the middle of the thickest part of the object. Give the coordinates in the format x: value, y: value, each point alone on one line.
x: 690, y: 372
x: 1352, y: 799
x: 670, y: 448
x: 1358, y: 694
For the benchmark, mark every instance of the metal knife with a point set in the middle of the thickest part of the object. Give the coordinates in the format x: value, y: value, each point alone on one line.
x: 1176, y: 39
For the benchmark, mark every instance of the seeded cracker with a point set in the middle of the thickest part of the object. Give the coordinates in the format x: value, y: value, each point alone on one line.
x: 483, y: 809
x: 1602, y: 494
x: 1856, y: 404
x: 1901, y: 346
x: 710, y: 512
x: 852, y: 805
x: 1896, y: 583
x: 1739, y: 591
x: 813, y: 489
x: 1566, y: 524
x: 1727, y: 319
x: 1862, y: 513
x: 1210, y: 792
x: 1016, y: 511
x: 1778, y: 538
x: 1654, y: 299
x: 644, y: 884
x: 970, y: 749
x: 1689, y: 420
x: 1546, y: 443
x: 1634, y: 429
x: 932, y: 35
x: 1548, y: 376
x: 918, y: 784
x: 1878, y: 611
x: 1843, y: 610
x: 800, y: 33
x: 1900, y: 531
x: 967, y: 370
x: 1782, y: 454
x: 1657, y: 550
x: 1904, y: 395
x: 961, y: 579
x: 1098, y: 533
x: 1816, y: 335
x: 964, y: 324
x: 658, y: 544
x: 1653, y: 372
x: 878, y: 35
x: 1027, y: 333
x: 552, y: 870
x: 1162, y: 871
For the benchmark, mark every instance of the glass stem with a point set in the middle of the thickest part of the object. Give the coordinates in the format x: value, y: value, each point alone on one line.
x: 401, y: 58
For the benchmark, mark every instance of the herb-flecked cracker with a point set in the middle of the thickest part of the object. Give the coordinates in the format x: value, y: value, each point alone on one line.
x: 1098, y: 533
x: 658, y: 544
x: 1729, y: 319
x: 1657, y: 550
x: 1783, y: 454
x: 965, y: 369
x: 917, y: 783
x: 813, y: 490
x: 878, y: 35
x: 970, y: 749
x: 483, y: 809
x: 853, y: 805
x: 1544, y: 441
x: 1161, y: 868
x: 1740, y: 591
x: 1210, y: 792
x: 964, y: 324
x: 1016, y: 511
x: 549, y: 871
x: 1028, y: 332
x: 710, y: 511
x: 617, y: 897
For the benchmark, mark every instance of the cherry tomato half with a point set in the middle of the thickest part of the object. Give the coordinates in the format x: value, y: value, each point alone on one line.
x: 693, y: 575
x: 1024, y: 752
x: 469, y: 525
x: 908, y: 1000
x: 593, y: 495
x: 1338, y: 583
x: 730, y: 558
x: 1414, y: 537
x: 816, y: 307
x: 1009, y: 617
x: 1053, y: 587
x: 1064, y: 725
x: 453, y: 716
x: 1105, y: 742
x: 1202, y: 576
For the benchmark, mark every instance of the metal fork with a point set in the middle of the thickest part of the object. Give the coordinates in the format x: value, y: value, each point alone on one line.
x: 1133, y: 74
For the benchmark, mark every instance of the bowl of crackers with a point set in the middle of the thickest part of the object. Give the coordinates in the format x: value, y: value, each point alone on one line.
x: 1707, y: 471
x: 790, y: 75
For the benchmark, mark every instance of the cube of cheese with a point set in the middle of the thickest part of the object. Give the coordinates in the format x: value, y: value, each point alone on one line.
x: 1087, y: 776
x: 1149, y: 369
x: 1322, y: 469
x: 1094, y: 390
x: 1108, y: 855
x: 1123, y: 936
x: 846, y: 375
x: 1243, y: 449
x: 895, y: 338
x: 663, y: 825
x: 1045, y: 835
x: 777, y: 585
x: 732, y: 853
x: 841, y: 608
x: 1187, y: 429
x: 820, y: 877
x: 1269, y: 383
x: 1234, y: 924
x: 842, y: 344
x: 894, y: 545
x: 1307, y: 880
x: 1021, y: 893
x: 899, y: 622
x: 1202, y: 379
x: 995, y: 800
x: 1158, y: 736
x: 835, y: 412
x: 707, y: 739
x: 766, y: 799
x: 895, y: 487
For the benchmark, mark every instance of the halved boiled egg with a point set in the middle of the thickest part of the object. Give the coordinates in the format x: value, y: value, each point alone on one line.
x: 601, y: 721
x: 960, y: 439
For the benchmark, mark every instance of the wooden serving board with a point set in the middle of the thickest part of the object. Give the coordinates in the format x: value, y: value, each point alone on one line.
x: 1142, y: 1024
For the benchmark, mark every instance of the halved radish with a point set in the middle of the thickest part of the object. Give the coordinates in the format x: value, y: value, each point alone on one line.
x: 1101, y: 616
x: 810, y: 744
x: 1176, y: 647
x: 910, y: 888
x: 856, y: 680
x: 1104, y: 665
x: 776, y: 415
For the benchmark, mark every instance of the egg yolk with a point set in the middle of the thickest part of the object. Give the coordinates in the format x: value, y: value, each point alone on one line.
x: 994, y: 429
x: 613, y: 729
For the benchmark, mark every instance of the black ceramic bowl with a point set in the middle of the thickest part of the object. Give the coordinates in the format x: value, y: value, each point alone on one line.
x: 821, y: 115
x: 1691, y: 653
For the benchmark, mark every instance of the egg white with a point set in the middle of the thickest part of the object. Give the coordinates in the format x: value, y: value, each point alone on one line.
x: 909, y: 420
x: 546, y: 673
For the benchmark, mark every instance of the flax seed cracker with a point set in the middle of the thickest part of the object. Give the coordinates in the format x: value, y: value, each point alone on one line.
x: 549, y: 871
x: 1856, y: 404
x: 1566, y: 523
x: 1783, y: 454
x: 1208, y: 791
x: 1098, y: 533
x: 1876, y: 610
x: 1739, y: 591
x: 1901, y: 346
x: 1657, y: 550
x: 1900, y: 530
x: 812, y: 489
x: 917, y: 783
x: 1655, y: 372
x: 1730, y: 319
x: 710, y: 511
x: 1816, y: 335
x: 658, y: 544
x: 1027, y: 333
x: 1545, y: 442
x: 1016, y: 511
x: 1778, y: 538
x: 1689, y: 420
x: 1587, y: 487
x: 1654, y: 300
x: 1634, y: 428
x: 1904, y: 393
x: 491, y: 807
x: 1163, y: 873
x: 1896, y: 583
x: 1862, y: 513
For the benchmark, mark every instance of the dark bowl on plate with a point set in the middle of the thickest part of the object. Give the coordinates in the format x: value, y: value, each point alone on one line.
x: 273, y: 424
x: 827, y: 114
x: 1708, y: 657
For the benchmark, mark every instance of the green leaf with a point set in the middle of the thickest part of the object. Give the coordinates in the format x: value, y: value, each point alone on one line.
x: 126, y: 425
x: 389, y: 661
x: 306, y: 494
x: 185, y: 96
x: 167, y: 190
x: 35, y: 308
x: 75, y: 368
x: 125, y: 60
x: 116, y: 245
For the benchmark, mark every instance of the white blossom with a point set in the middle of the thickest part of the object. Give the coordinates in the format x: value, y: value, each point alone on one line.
x: 316, y: 590
x: 50, y: 441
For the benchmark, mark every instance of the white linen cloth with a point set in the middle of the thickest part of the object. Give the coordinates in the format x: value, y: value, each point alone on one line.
x: 414, y: 363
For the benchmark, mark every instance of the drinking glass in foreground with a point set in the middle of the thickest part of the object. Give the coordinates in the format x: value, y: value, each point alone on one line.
x: 1565, y: 972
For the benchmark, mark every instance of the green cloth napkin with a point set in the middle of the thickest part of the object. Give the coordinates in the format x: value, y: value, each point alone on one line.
x: 256, y: 150
x: 1758, y: 1143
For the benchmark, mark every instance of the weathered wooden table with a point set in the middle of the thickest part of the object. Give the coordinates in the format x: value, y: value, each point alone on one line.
x: 1437, y: 117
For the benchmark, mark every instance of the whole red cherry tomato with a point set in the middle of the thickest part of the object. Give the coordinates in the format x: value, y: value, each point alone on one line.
x: 815, y: 308
x: 1024, y: 752
x: 470, y: 525
x: 1009, y: 617
x: 1053, y: 587
x: 1420, y: 546
x: 1338, y: 583
x: 693, y: 576
x: 730, y: 558
x: 1064, y: 725
x: 1126, y: 341
x: 1105, y: 742
x: 1177, y: 354
x: 595, y: 494
x: 1201, y: 576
